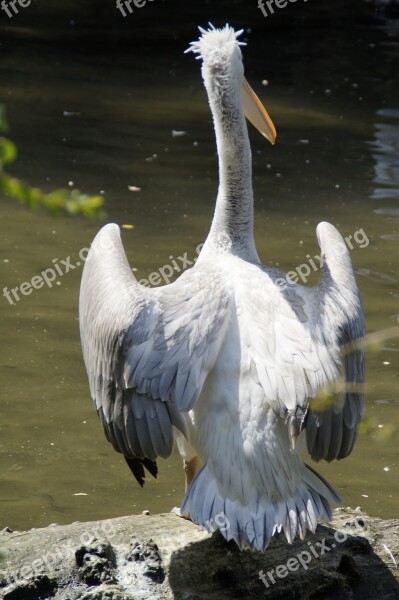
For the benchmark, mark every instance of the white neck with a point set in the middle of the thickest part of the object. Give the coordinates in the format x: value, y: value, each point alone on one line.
x: 232, y: 225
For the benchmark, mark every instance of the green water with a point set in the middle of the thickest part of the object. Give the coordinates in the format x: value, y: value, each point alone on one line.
x: 337, y: 116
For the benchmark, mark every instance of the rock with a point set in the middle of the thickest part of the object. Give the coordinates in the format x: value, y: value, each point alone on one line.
x: 164, y: 557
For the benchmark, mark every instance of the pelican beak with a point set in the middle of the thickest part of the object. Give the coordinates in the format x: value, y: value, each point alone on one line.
x: 256, y: 112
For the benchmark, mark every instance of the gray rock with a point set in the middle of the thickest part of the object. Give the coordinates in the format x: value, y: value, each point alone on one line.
x: 164, y: 557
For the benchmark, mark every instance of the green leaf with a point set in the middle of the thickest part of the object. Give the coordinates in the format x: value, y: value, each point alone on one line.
x: 8, y: 151
x: 19, y: 190
x: 72, y: 202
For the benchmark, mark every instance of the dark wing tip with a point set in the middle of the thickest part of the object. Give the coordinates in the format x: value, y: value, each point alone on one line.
x: 136, y: 465
x: 151, y: 466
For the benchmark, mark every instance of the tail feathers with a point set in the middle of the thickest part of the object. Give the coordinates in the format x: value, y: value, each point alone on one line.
x: 253, y: 525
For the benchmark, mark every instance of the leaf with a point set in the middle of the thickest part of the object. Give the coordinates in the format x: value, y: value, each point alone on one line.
x: 72, y: 202
x: 8, y: 151
x: 19, y: 190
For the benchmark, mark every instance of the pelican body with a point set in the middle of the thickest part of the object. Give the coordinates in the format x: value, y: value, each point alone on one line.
x: 226, y: 360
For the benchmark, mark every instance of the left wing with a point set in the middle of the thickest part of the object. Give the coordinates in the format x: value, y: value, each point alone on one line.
x: 147, y: 351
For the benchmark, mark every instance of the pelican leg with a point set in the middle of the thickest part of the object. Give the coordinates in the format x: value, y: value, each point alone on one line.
x: 187, y: 452
x: 190, y: 462
x: 190, y: 469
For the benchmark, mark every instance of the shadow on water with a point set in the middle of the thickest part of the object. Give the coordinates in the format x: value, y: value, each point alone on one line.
x: 92, y: 98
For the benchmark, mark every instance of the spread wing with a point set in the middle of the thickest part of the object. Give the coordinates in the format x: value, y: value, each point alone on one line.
x: 147, y: 351
x: 331, y: 433
x: 301, y: 339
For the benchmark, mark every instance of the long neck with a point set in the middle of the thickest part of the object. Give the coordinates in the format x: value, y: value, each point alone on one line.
x: 232, y: 225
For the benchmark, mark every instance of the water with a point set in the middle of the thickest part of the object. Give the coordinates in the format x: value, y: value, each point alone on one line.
x: 332, y: 94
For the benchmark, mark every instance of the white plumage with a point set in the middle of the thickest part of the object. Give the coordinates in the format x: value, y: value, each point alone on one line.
x: 226, y: 355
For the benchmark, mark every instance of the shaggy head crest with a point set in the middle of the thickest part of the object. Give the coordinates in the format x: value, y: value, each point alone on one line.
x: 215, y: 43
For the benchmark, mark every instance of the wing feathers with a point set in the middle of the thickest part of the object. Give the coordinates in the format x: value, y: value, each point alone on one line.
x: 147, y: 352
x: 331, y: 433
x: 294, y: 337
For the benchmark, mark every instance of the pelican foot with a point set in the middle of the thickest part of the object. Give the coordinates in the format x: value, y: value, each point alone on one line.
x: 176, y: 510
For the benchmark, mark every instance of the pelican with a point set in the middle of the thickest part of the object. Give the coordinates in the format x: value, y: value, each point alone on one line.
x: 227, y: 359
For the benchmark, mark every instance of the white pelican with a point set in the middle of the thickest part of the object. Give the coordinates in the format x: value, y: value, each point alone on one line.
x: 227, y: 357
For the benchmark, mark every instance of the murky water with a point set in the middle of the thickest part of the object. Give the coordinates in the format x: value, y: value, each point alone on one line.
x: 333, y: 95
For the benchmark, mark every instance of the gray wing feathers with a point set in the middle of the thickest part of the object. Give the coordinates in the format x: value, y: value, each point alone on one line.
x: 147, y: 351
x: 288, y: 358
x: 298, y: 343
x: 331, y: 433
x: 175, y: 356
x: 138, y: 426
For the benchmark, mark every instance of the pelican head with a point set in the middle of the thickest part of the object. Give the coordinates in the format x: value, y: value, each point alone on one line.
x: 223, y: 75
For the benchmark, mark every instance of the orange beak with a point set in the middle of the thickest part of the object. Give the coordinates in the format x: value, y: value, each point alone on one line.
x: 256, y: 112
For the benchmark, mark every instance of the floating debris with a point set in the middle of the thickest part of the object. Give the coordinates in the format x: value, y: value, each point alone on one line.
x: 127, y: 226
x: 176, y: 133
x: 134, y: 188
